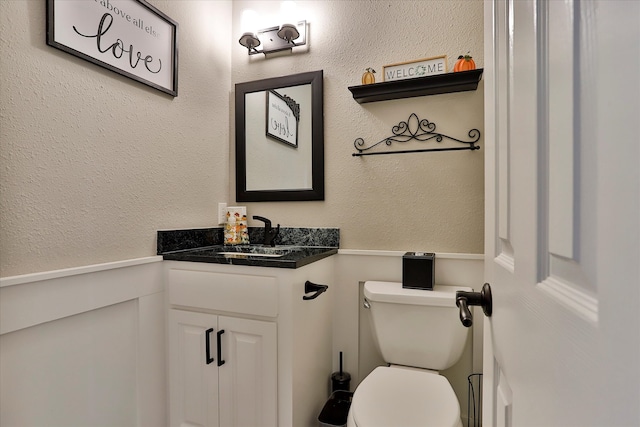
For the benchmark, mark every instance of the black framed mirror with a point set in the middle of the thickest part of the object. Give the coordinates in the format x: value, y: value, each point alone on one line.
x: 280, y: 139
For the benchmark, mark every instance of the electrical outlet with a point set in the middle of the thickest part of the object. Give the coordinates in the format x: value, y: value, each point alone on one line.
x: 222, y: 213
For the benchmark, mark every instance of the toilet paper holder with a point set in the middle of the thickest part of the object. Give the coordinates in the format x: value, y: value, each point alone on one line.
x: 465, y: 299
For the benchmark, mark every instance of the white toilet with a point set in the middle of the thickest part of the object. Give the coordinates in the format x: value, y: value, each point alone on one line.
x: 419, y: 333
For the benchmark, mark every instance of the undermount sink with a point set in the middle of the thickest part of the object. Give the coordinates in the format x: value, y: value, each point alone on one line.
x: 254, y: 251
x: 248, y: 254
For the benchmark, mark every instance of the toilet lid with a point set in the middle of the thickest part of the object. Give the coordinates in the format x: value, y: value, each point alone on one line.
x: 396, y: 396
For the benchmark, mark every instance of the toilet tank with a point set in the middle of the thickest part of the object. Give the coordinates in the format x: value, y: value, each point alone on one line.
x: 416, y: 327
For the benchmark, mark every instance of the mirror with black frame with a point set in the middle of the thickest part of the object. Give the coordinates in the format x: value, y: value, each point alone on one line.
x: 280, y: 139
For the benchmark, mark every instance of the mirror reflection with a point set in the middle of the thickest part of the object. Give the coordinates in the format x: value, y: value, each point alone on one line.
x: 284, y: 141
x: 280, y: 139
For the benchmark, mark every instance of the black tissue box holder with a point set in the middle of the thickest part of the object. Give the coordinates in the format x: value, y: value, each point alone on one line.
x: 418, y: 270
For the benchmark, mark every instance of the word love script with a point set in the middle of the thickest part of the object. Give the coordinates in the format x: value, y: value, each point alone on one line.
x: 118, y: 47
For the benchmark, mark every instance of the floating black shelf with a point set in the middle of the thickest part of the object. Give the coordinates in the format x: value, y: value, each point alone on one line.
x: 420, y: 86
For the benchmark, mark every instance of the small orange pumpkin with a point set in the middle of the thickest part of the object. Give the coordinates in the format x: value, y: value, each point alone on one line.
x: 464, y: 63
x: 368, y: 76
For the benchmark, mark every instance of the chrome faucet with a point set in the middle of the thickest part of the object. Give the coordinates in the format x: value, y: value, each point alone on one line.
x: 270, y: 233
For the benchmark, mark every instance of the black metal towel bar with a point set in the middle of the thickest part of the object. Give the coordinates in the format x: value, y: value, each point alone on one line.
x: 312, y: 287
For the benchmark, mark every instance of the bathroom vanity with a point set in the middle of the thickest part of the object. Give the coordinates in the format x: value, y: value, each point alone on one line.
x: 245, y: 347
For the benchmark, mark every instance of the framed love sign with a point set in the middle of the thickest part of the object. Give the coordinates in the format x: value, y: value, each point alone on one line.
x: 129, y: 37
x: 283, y: 115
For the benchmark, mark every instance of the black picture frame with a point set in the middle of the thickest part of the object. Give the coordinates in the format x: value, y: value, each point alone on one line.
x: 129, y: 37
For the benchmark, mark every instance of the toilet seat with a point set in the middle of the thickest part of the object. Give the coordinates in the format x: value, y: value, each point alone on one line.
x: 404, y: 397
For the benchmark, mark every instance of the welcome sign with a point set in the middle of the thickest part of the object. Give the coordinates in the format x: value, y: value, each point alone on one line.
x: 129, y: 37
x: 414, y: 69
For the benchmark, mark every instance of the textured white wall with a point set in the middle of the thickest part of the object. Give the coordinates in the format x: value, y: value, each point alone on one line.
x: 426, y: 201
x: 93, y: 163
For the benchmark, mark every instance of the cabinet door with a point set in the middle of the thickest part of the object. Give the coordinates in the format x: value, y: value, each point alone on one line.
x: 248, y: 378
x: 193, y: 381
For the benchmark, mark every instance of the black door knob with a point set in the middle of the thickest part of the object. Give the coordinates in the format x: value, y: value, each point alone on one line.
x: 465, y: 299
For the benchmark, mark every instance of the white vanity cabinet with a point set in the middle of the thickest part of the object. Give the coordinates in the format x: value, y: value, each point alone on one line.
x: 245, y: 349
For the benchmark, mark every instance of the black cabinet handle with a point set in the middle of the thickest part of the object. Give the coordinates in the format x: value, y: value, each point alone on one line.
x: 207, y: 335
x: 220, y: 361
x: 312, y: 287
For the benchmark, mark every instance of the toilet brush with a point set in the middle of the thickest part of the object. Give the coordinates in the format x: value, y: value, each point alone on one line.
x: 340, y: 380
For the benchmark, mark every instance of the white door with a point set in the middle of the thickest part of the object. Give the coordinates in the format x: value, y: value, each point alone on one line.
x: 248, y: 378
x: 562, y: 137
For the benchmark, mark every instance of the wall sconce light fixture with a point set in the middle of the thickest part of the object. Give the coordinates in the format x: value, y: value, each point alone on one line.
x: 275, y: 39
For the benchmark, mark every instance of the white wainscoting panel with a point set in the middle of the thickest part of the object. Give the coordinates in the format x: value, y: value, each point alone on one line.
x: 84, y: 346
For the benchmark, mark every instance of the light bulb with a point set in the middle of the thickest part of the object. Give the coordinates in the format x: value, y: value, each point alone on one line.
x: 249, y: 21
x: 289, y: 12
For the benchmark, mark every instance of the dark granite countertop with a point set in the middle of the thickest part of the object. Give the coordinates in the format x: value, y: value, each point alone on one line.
x: 296, y: 247
x: 293, y: 258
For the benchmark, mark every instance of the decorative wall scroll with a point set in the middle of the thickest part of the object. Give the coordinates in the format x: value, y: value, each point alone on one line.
x: 129, y: 37
x: 418, y: 130
x: 283, y: 115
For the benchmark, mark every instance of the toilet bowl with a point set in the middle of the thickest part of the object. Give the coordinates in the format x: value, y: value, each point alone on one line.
x: 418, y: 333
